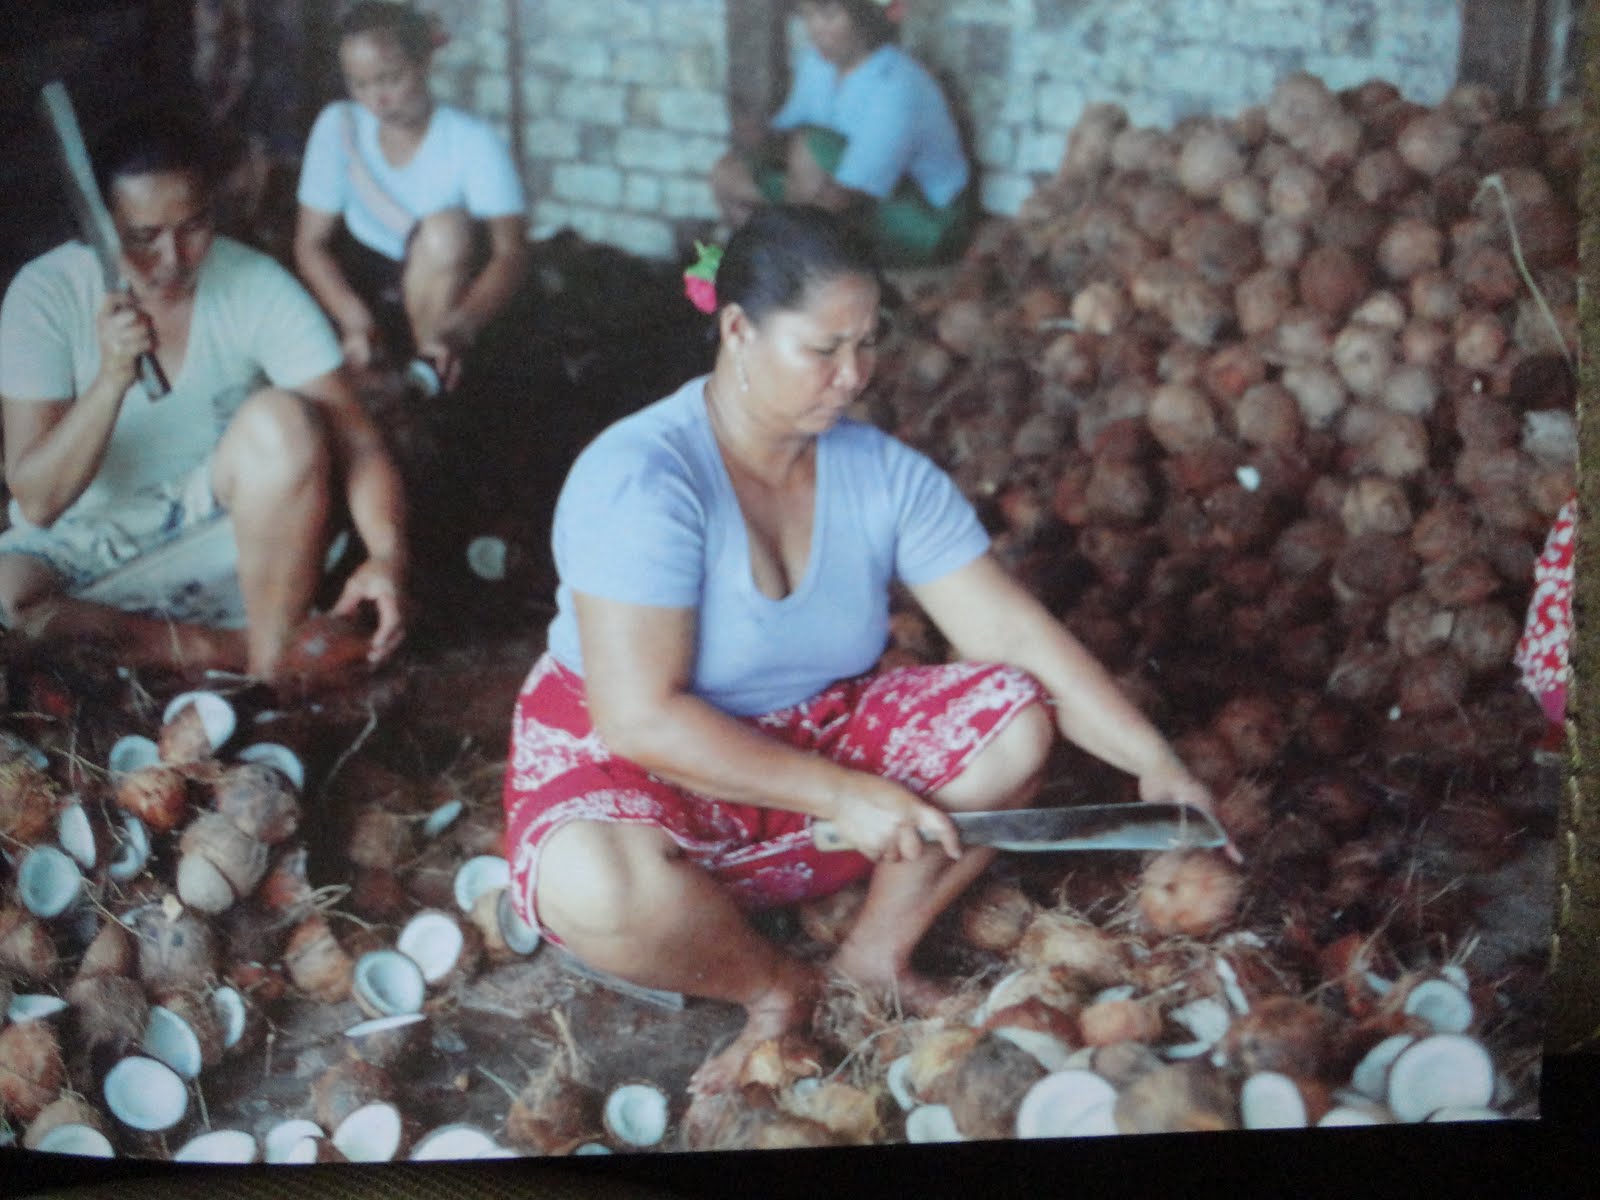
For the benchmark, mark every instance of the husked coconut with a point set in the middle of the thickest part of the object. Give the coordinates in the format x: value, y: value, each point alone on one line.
x: 29, y: 802
x: 1189, y: 1097
x: 553, y: 1114
x: 27, y: 951
x: 220, y: 863
x: 987, y: 1088
x: 260, y: 799
x: 1190, y: 892
x: 316, y: 962
x: 177, y: 947
x: 32, y: 1071
x: 158, y: 795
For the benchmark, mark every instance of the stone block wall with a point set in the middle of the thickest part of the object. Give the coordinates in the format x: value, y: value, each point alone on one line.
x: 620, y: 108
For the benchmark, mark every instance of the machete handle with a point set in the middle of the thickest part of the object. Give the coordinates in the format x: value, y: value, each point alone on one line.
x: 152, y: 377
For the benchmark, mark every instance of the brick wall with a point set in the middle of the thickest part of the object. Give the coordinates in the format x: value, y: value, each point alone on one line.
x: 623, y: 111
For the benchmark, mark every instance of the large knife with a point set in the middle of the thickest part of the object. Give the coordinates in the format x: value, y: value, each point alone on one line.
x: 94, y: 222
x: 1132, y: 826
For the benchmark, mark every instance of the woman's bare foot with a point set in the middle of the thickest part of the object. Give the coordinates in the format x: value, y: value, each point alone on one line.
x: 902, y: 989
x: 785, y: 1009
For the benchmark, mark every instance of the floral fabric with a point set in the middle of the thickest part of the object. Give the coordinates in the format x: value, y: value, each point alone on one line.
x: 1542, y: 654
x: 920, y: 726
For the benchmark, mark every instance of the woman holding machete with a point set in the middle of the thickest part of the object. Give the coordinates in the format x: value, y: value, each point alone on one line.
x: 725, y: 558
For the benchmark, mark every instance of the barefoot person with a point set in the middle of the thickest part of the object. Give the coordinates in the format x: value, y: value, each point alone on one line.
x: 412, y: 228
x: 725, y: 560
x: 865, y: 131
x: 260, y: 430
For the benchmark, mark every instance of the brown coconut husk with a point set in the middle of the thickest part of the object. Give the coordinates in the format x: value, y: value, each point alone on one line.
x: 380, y: 839
x: 554, y: 1113
x: 184, y: 739
x: 1281, y: 1033
x: 1190, y: 1097
x: 220, y: 863
x: 177, y: 947
x: 195, y: 1010
x: 935, y: 1059
x: 994, y: 916
x: 32, y: 1071
x: 69, y: 1108
x: 1190, y: 892
x: 29, y: 802
x: 27, y: 951
x: 113, y: 951
x: 1110, y: 1022
x: 107, y: 1012
x: 260, y: 800
x: 987, y: 1088
x: 317, y: 963
x: 1079, y: 952
x: 347, y: 1086
x: 157, y: 794
x: 852, y: 1114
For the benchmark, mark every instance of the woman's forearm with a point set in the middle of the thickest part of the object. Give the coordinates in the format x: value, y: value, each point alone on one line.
x: 50, y: 476
x: 490, y: 291
x: 320, y: 271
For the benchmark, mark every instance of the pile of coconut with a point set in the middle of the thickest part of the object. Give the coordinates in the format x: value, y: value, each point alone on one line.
x: 157, y: 911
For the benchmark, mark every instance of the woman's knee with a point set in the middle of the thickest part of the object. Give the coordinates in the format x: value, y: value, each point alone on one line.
x: 596, y: 878
x: 1006, y: 770
x: 442, y: 241
x: 278, y: 440
x: 24, y: 582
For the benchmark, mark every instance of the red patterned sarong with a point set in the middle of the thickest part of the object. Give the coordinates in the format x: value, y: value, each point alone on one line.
x: 1542, y: 654
x: 919, y: 726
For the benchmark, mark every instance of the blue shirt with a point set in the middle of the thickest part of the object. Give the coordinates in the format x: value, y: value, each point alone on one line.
x: 649, y: 516
x: 893, y: 116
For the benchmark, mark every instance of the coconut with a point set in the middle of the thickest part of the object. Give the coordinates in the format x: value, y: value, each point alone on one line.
x: 994, y: 915
x: 635, y: 1115
x: 1442, y: 1071
x: 1273, y: 1100
x: 220, y: 863
x: 451, y: 1142
x: 851, y: 1113
x: 27, y: 952
x: 1183, y: 1097
x: 68, y: 1109
x: 109, y: 1012
x: 158, y: 795
x: 32, y: 1071
x: 131, y: 849
x: 29, y: 802
x: 986, y: 1089
x: 260, y: 799
x: 326, y: 651
x: 284, y: 760
x: 777, y: 1063
x: 346, y: 1087
x: 219, y: 1146
x: 1281, y: 1034
x: 48, y: 882
x: 931, y: 1069
x: 195, y: 726
x: 442, y: 946
x: 477, y: 875
x: 1084, y: 953
x: 1108, y: 1022
x: 387, y: 982
x: 502, y: 931
x: 316, y: 962
x: 282, y: 1138
x: 1190, y: 892
x: 553, y: 1114
x: 379, y: 838
x: 184, y: 1021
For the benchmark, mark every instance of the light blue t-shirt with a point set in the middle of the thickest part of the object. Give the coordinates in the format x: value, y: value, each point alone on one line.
x: 893, y: 116
x: 648, y: 516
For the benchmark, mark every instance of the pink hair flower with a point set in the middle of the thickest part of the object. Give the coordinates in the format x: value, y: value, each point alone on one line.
x: 700, y: 279
x: 893, y: 10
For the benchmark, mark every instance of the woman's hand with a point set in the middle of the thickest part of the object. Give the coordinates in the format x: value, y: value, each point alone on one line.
x: 887, y: 823
x: 360, y: 345
x: 380, y: 582
x: 125, y: 332
x: 1172, y: 784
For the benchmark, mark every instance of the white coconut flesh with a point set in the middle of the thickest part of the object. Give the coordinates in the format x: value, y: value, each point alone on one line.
x: 216, y: 714
x: 48, y: 881
x: 387, y: 982
x: 520, y: 937
x: 1442, y: 1005
x: 33, y: 1007
x: 452, y: 1142
x: 998, y: 997
x: 1229, y: 978
x: 1446, y: 1070
x: 898, y: 1087
x: 281, y: 1140
x: 433, y: 940
x: 232, y: 1013
x: 218, y: 1146
x: 1456, y: 974
x: 283, y: 759
x: 370, y: 1134
x: 1371, y: 1074
x: 594, y: 1148
x: 932, y: 1123
x: 1207, y: 1018
x: 1270, y: 1100
x: 442, y: 818
x: 486, y: 558
x: 76, y: 836
x: 302, y: 1151
x: 170, y: 1039
x: 1060, y: 1101
x: 478, y: 875
x: 1049, y: 1051
x: 72, y: 1138
x: 133, y: 852
x: 130, y: 753
x: 145, y: 1094
x: 636, y: 1114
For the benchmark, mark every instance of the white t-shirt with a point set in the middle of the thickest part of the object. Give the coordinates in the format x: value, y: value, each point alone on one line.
x: 253, y: 324
x: 461, y: 163
x: 649, y: 516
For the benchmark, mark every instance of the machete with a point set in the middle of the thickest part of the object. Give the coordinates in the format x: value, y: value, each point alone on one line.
x: 94, y: 221
x: 1132, y: 826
